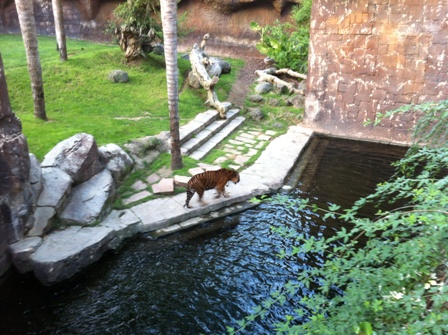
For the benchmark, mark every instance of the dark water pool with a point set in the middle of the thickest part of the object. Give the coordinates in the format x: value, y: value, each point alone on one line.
x: 200, y: 281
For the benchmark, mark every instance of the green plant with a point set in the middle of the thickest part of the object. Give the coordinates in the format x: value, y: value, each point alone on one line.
x: 287, y: 43
x: 136, y: 15
x: 386, y: 274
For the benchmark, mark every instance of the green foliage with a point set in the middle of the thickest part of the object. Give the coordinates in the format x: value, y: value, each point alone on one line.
x: 386, y: 274
x: 287, y: 43
x: 137, y: 15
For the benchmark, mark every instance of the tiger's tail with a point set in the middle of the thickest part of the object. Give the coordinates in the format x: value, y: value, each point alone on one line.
x: 190, y: 193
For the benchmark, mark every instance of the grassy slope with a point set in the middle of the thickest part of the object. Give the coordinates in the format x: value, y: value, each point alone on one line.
x: 79, y: 97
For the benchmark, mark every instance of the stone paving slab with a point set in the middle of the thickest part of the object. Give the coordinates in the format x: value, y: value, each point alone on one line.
x: 278, y: 159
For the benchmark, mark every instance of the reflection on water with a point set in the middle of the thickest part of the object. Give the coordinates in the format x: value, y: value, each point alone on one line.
x: 203, y: 280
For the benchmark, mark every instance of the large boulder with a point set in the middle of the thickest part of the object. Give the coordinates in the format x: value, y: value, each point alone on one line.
x: 117, y: 161
x: 77, y: 156
x: 89, y: 201
x: 56, y: 186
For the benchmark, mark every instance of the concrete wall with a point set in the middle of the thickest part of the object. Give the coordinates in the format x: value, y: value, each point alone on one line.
x: 369, y: 56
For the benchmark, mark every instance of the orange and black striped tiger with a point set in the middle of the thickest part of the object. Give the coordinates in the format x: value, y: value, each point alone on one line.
x: 209, y: 180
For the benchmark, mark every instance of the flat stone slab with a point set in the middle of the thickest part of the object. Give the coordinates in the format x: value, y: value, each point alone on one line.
x: 64, y: 253
x: 164, y: 186
x: 136, y: 197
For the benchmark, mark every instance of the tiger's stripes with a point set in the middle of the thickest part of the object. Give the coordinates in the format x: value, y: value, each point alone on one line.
x: 210, y: 180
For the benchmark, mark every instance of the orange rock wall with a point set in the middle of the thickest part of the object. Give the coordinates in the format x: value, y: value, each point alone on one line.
x: 369, y: 56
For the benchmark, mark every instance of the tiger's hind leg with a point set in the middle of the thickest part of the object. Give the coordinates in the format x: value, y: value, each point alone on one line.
x: 190, y: 193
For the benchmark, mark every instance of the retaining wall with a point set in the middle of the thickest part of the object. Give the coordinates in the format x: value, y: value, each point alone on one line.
x: 369, y: 56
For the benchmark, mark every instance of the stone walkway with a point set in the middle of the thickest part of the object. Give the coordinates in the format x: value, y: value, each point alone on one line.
x: 238, y: 151
x: 63, y: 253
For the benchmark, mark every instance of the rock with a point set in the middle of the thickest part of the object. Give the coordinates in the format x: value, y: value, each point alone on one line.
x: 35, y: 178
x: 164, y: 186
x: 263, y: 87
x: 78, y: 156
x: 256, y: 98
x: 255, y: 113
x: 43, y: 220
x: 274, y: 102
x: 224, y: 65
x: 118, y: 76
x: 21, y: 252
x: 64, y: 253
x: 56, y: 186
x: 146, y: 149
x: 158, y: 49
x: 89, y: 201
x: 298, y: 101
x: 117, y: 161
x: 214, y: 70
x: 141, y: 146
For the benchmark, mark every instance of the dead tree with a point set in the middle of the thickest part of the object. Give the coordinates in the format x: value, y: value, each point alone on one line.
x: 199, y: 64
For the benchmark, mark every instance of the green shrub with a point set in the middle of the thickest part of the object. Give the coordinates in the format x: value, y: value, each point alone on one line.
x: 287, y: 43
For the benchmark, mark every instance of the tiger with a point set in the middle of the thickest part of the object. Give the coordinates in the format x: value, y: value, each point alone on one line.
x: 210, y: 180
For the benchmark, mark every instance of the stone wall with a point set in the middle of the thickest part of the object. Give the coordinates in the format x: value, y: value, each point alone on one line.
x: 369, y: 56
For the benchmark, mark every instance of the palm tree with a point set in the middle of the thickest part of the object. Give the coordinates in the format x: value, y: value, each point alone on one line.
x: 59, y: 28
x: 27, y: 23
x: 168, y: 10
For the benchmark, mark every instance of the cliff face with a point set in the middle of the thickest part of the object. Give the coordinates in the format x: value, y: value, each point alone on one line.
x: 227, y: 21
x: 15, y: 191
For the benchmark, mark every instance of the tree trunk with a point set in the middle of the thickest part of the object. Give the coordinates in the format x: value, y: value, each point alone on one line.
x: 59, y: 29
x: 168, y: 10
x: 25, y: 11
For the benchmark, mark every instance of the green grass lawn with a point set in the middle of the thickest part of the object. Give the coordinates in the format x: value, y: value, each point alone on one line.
x: 80, y: 98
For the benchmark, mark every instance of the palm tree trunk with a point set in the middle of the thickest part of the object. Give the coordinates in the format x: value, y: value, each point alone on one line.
x: 59, y: 28
x: 25, y: 11
x: 168, y: 10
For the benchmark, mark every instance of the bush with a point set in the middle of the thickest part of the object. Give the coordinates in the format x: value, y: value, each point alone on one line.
x: 287, y: 43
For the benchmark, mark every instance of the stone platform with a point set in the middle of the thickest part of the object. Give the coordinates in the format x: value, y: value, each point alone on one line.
x: 63, y: 253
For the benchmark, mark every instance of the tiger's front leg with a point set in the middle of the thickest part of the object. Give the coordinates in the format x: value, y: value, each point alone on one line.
x: 221, y: 191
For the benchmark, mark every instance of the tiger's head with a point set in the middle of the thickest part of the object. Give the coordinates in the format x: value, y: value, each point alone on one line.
x: 234, y: 176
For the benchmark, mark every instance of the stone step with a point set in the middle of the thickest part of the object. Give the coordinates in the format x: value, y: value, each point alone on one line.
x: 204, y: 149
x: 201, y: 121
x: 206, y: 133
